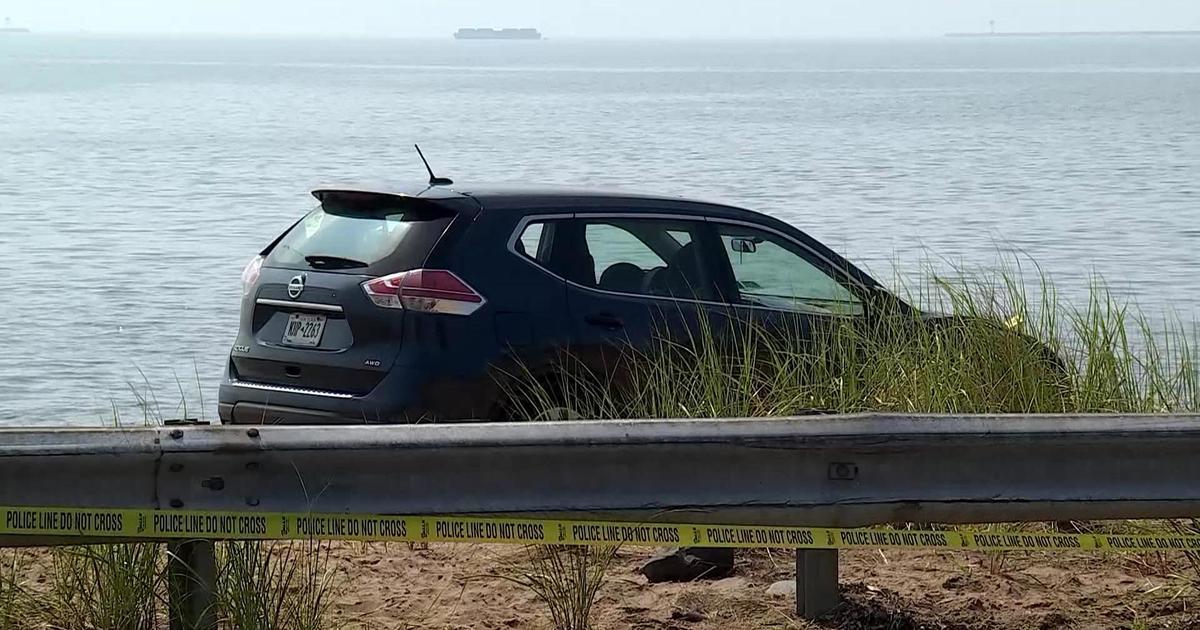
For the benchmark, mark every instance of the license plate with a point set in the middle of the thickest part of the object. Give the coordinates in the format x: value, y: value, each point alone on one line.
x: 304, y: 330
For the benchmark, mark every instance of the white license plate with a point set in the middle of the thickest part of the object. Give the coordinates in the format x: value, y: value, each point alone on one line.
x: 304, y: 329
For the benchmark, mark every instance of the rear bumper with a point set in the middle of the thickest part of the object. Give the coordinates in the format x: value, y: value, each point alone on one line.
x: 254, y: 403
x: 240, y: 407
x: 396, y: 400
x: 256, y: 413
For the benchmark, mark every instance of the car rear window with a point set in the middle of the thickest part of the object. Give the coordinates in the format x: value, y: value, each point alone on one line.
x: 358, y: 239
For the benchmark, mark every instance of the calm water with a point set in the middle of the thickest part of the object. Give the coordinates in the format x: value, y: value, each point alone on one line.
x: 138, y: 176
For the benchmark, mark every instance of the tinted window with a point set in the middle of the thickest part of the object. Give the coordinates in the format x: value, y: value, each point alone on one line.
x: 772, y: 271
x: 646, y: 256
x: 534, y: 239
x: 360, y: 240
x: 531, y: 239
x: 552, y: 244
x: 657, y: 257
x: 611, y: 245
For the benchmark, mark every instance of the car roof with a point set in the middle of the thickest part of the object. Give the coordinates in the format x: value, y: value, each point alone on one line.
x: 507, y: 192
x: 526, y: 196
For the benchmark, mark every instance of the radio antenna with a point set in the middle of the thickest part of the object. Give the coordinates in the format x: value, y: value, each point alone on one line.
x: 434, y: 180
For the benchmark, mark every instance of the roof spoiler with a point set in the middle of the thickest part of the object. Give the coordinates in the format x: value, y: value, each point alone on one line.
x: 353, y: 201
x: 357, y: 195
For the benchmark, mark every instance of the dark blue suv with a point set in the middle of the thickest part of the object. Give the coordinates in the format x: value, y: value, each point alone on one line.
x: 384, y: 307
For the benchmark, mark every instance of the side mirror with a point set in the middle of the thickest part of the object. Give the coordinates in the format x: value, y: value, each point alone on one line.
x: 743, y: 245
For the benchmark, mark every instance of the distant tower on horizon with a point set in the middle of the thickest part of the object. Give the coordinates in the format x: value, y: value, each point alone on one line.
x: 992, y: 26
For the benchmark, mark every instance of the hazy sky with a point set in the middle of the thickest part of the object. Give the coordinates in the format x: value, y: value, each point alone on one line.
x: 600, y: 18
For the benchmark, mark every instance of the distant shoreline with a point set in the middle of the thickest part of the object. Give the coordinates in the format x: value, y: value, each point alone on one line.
x: 1079, y: 34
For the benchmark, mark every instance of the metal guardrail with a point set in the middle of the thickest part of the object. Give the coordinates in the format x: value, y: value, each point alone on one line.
x: 825, y: 471
x: 830, y: 471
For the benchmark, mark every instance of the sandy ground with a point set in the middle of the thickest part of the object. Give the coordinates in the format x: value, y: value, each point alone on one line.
x: 447, y: 586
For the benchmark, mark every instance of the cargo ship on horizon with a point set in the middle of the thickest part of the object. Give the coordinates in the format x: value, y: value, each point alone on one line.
x: 494, y: 33
x: 9, y: 28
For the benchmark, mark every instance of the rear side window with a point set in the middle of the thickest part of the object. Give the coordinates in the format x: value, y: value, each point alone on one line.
x: 360, y: 239
x: 552, y: 244
x: 653, y: 257
x: 612, y: 244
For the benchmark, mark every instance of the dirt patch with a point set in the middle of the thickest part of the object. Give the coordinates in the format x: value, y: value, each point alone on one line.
x: 392, y: 587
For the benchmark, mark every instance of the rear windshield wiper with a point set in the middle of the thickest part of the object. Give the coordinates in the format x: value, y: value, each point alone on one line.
x: 318, y: 261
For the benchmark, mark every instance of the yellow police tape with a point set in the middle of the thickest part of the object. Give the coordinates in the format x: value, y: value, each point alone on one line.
x: 162, y: 524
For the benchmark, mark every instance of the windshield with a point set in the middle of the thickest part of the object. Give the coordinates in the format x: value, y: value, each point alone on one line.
x: 359, y: 241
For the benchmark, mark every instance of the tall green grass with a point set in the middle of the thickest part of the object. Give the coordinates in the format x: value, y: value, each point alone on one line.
x: 106, y: 587
x: 276, y: 586
x: 975, y: 344
x: 15, y: 603
x: 1000, y: 344
x: 566, y: 579
x: 260, y: 586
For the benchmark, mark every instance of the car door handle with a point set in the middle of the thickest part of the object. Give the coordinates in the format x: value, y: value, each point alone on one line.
x: 605, y: 320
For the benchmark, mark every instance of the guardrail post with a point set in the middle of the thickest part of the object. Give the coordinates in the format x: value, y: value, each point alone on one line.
x: 816, y: 582
x: 191, y: 577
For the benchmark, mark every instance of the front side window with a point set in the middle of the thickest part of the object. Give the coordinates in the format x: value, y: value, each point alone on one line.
x: 773, y: 272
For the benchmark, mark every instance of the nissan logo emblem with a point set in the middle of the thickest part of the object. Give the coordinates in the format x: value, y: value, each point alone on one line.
x: 296, y: 286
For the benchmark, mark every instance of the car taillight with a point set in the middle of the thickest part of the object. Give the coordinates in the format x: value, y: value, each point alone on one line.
x: 250, y: 274
x: 424, y: 290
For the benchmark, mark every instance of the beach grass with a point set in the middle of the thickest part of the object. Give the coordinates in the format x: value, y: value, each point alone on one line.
x: 994, y: 342
x: 976, y: 344
x: 983, y: 343
x: 565, y: 579
x: 285, y: 585
x: 106, y: 587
